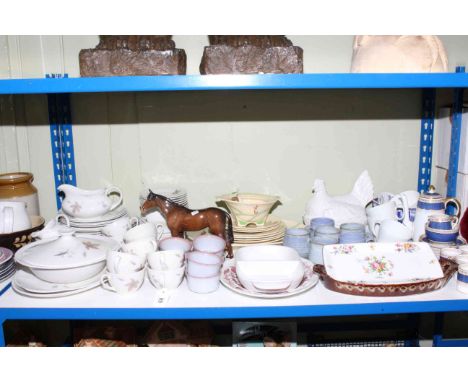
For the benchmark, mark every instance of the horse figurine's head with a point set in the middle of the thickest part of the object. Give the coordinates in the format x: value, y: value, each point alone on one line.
x: 155, y: 202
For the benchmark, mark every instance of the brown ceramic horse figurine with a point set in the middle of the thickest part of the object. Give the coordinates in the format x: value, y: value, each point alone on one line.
x: 180, y: 219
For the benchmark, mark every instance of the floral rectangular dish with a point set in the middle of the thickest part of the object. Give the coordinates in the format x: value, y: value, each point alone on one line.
x: 388, y: 290
x: 381, y: 263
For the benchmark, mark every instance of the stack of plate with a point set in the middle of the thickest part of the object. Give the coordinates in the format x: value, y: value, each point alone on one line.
x: 272, y: 232
x: 177, y: 195
x: 95, y: 224
x: 7, y: 264
x: 27, y: 284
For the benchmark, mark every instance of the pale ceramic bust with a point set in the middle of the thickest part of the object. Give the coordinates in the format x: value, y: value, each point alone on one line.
x: 403, y: 54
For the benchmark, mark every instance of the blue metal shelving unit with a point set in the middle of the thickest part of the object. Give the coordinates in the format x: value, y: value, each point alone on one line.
x: 59, y: 112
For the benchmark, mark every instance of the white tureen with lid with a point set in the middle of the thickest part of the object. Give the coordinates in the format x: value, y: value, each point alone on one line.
x: 68, y: 258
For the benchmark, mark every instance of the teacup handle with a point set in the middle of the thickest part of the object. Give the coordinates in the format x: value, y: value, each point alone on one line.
x: 376, y: 231
x: 116, y: 190
x: 133, y: 222
x: 65, y: 217
x: 105, y: 281
x: 457, y: 204
x: 154, y: 244
x: 159, y: 231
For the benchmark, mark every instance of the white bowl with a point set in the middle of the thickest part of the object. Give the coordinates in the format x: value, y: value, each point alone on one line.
x: 202, y: 264
x: 247, y: 208
x: 269, y: 268
x: 175, y: 243
x: 203, y: 284
x: 209, y: 243
x: 69, y: 275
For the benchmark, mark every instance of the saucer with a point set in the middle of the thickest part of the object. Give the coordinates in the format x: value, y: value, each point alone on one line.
x: 437, y: 244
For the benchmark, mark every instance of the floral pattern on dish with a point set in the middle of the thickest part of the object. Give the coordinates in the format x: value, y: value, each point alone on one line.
x: 406, y: 247
x: 380, y: 266
x: 343, y: 249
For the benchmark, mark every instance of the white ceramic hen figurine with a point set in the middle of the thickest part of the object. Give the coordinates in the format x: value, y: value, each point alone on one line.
x: 349, y: 208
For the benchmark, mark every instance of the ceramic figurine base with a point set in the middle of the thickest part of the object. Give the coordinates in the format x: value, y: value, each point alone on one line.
x: 251, y: 55
x: 133, y: 56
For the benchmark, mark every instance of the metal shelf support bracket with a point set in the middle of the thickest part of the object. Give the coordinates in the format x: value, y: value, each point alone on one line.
x: 61, y: 137
x: 426, y: 140
x: 455, y: 139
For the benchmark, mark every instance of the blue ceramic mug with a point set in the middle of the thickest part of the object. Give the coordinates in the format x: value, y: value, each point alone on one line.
x: 317, y: 222
x: 298, y: 239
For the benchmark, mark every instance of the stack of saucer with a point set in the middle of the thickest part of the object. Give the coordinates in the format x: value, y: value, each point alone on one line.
x: 272, y: 232
x: 94, y: 225
x: 178, y: 195
x: 7, y: 264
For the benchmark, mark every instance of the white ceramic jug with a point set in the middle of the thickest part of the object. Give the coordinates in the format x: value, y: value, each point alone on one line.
x: 13, y: 217
x: 431, y: 203
x: 88, y: 203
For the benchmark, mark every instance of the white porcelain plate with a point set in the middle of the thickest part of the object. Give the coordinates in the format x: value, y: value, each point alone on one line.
x: 24, y: 292
x: 112, y: 215
x: 5, y: 255
x: 229, y: 280
x: 381, y: 263
x: 30, y: 283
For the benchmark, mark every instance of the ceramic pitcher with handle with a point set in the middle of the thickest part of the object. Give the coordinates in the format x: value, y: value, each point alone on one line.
x: 88, y: 203
x: 431, y: 203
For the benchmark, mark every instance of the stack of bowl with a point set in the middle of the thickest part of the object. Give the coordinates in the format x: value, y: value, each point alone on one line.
x: 251, y: 219
x: 204, y: 263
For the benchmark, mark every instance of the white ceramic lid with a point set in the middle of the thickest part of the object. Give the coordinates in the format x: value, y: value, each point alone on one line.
x: 67, y: 251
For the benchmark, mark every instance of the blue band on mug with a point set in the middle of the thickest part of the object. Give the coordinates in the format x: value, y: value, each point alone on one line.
x: 461, y: 277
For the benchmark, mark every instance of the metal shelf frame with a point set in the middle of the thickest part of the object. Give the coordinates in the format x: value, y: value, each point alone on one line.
x: 59, y: 87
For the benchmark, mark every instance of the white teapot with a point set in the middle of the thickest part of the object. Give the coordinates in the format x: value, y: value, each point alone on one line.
x: 80, y: 203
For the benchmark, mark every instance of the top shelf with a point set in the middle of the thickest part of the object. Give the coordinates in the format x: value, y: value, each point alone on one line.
x: 234, y: 82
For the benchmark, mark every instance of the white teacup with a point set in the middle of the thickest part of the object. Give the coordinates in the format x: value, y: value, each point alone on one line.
x: 141, y: 248
x: 389, y: 231
x: 116, y: 230
x: 13, y: 217
x: 121, y: 262
x: 143, y: 231
x: 377, y: 214
x: 164, y: 260
x: 123, y: 283
x: 169, y: 279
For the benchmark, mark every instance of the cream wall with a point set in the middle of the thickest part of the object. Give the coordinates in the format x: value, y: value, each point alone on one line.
x: 215, y: 142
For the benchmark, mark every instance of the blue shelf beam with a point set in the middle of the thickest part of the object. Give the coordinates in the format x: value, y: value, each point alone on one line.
x: 235, y: 82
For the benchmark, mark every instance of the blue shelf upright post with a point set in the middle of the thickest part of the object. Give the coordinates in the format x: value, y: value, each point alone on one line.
x: 61, y: 137
x: 455, y: 141
x: 426, y: 140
